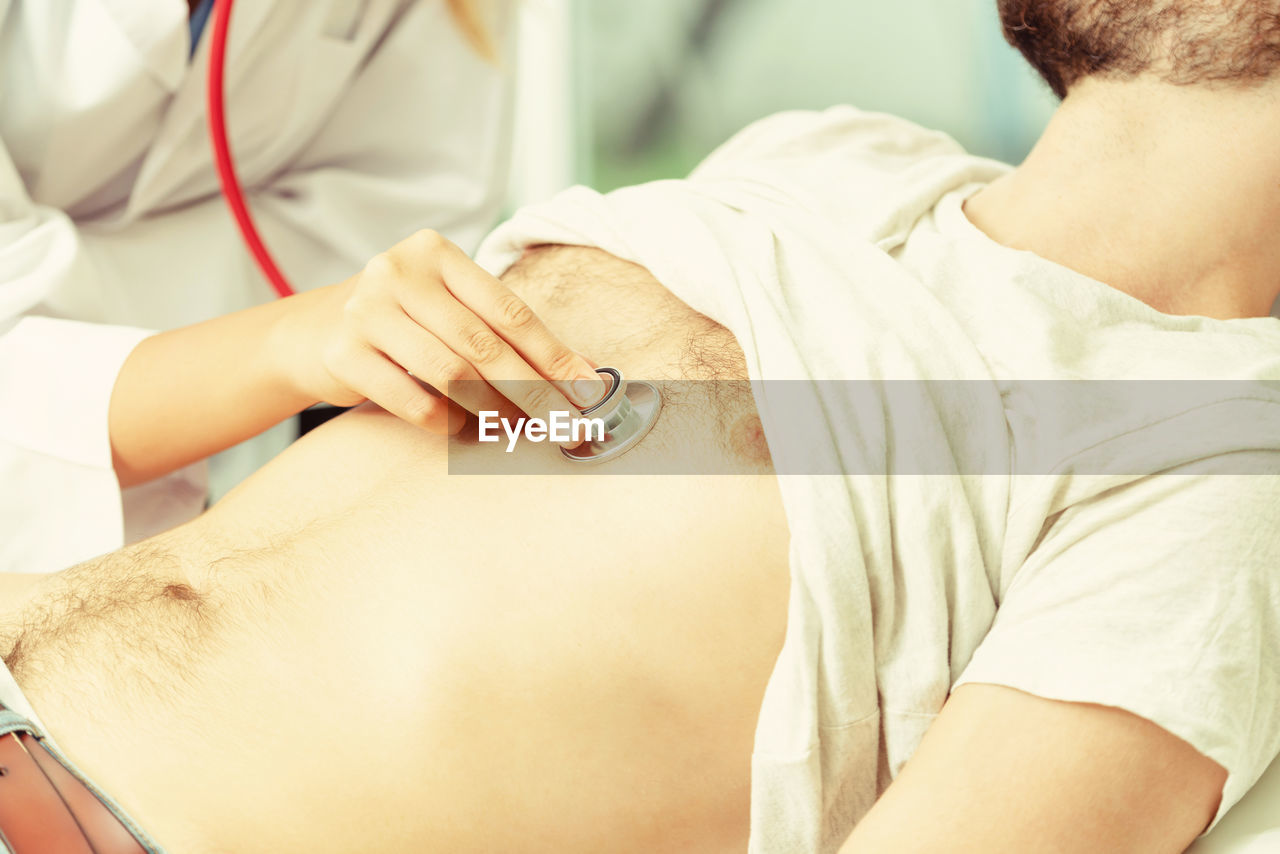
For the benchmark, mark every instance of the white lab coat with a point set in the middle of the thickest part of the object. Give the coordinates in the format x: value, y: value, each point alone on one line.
x: 354, y: 123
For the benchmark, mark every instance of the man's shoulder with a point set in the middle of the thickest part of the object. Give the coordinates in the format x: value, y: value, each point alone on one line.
x: 868, y: 174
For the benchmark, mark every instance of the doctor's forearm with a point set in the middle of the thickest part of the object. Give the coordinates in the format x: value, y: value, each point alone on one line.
x: 189, y: 393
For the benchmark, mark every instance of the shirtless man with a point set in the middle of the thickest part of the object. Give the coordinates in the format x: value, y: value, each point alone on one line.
x: 378, y: 656
x: 356, y: 650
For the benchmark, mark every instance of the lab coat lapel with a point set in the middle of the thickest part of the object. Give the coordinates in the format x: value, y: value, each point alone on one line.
x: 308, y: 57
x: 182, y: 135
x: 100, y: 78
x: 154, y: 33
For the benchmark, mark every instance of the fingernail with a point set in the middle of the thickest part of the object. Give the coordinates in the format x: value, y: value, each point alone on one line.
x: 588, y: 392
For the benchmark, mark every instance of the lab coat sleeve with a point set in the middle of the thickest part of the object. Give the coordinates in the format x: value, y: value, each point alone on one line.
x: 56, y: 378
x: 420, y: 138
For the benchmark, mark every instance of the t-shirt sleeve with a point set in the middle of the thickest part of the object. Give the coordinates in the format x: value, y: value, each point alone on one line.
x: 1160, y: 597
x: 772, y: 179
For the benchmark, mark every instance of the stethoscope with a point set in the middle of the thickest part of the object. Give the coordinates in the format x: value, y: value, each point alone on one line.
x: 628, y: 409
x: 231, y: 189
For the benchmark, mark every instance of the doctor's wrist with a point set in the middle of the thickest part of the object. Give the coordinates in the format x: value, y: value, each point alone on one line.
x: 297, y: 343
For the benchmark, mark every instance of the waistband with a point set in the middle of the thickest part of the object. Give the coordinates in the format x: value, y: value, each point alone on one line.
x: 48, y: 807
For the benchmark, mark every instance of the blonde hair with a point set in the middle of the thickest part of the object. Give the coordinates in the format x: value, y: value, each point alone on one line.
x: 468, y: 16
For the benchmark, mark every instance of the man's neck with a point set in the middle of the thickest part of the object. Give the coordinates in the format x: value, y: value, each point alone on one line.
x: 1170, y: 194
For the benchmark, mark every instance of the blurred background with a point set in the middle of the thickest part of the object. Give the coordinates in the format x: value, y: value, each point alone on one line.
x: 614, y: 93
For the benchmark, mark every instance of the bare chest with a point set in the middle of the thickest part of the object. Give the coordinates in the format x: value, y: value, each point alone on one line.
x: 616, y: 313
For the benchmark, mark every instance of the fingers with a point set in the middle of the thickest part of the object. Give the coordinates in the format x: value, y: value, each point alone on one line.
x: 506, y: 315
x: 486, y: 355
x: 426, y: 308
x: 386, y: 384
x: 432, y: 361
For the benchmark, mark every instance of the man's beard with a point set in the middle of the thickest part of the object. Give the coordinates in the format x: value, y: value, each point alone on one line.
x: 1183, y: 42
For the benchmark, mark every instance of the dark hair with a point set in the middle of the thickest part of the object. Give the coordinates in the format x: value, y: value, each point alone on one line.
x: 1182, y: 41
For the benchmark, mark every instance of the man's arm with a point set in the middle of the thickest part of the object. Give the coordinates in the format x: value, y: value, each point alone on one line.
x: 1005, y: 772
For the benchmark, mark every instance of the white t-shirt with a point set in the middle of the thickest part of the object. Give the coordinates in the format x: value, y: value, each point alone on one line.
x: 1116, y: 545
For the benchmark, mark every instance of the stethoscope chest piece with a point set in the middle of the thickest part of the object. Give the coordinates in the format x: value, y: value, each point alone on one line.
x: 629, y: 410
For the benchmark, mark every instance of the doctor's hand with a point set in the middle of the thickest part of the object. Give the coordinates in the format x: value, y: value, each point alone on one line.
x: 424, y: 313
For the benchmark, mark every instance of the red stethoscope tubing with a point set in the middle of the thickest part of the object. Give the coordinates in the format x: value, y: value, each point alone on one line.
x: 231, y: 188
